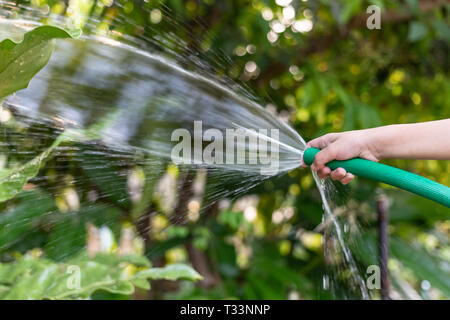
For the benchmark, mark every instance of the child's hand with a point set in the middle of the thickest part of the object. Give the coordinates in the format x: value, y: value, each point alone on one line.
x: 425, y: 140
x: 341, y: 146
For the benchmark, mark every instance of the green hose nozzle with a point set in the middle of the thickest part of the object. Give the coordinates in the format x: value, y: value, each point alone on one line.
x: 390, y: 175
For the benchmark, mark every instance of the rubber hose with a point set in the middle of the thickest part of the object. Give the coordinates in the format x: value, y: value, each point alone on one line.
x: 390, y: 175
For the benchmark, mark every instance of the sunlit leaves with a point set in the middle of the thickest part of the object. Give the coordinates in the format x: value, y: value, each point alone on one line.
x: 19, y: 62
x: 33, y: 278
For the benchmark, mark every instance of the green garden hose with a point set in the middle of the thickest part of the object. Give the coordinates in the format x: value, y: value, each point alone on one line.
x: 390, y: 175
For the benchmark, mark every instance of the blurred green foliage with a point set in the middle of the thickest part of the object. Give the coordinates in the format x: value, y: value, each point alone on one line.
x: 324, y: 71
x: 31, y: 277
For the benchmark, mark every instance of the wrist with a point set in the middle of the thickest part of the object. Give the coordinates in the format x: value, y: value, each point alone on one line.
x: 374, y: 143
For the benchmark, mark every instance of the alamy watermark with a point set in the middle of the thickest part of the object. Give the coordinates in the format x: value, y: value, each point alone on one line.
x: 374, y: 279
x: 237, y: 146
x: 74, y: 280
x: 374, y: 20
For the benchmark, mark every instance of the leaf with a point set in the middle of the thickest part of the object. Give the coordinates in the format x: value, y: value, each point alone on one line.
x: 350, y: 8
x: 378, y: 3
x: 170, y: 272
x: 13, y: 180
x: 407, y: 207
x: 442, y: 30
x: 96, y: 130
x: 414, y: 6
x: 32, y: 278
x: 424, y: 265
x: 368, y: 116
x: 417, y: 31
x: 112, y: 259
x: 19, y: 62
x: 141, y: 283
x: 349, y: 108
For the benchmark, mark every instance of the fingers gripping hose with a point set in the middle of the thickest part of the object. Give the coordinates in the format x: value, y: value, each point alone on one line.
x: 390, y: 175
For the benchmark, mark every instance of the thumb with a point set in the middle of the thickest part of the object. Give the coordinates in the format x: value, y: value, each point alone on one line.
x: 323, y: 157
x: 323, y: 141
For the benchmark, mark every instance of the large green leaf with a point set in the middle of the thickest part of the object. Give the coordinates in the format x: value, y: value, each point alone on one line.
x: 13, y: 180
x: 19, y: 62
x: 31, y: 278
x: 408, y: 207
x: 424, y: 265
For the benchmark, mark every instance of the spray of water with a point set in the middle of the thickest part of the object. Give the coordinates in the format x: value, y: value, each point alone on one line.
x: 131, y: 100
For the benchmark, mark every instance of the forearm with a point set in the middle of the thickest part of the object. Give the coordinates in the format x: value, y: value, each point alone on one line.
x: 426, y: 140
